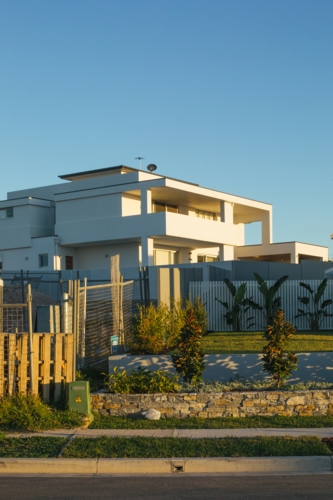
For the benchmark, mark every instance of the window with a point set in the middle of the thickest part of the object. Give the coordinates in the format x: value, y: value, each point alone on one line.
x: 69, y: 262
x: 202, y: 214
x: 164, y: 207
x: 6, y: 213
x: 43, y: 259
x: 207, y: 258
x: 164, y: 257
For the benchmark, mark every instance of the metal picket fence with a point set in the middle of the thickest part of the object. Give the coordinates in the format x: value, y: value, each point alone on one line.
x: 289, y: 292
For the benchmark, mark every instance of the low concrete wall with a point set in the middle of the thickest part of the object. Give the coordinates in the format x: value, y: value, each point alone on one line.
x: 223, y: 404
x: 314, y: 366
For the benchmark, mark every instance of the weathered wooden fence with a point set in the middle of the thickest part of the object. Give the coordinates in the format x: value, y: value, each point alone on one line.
x: 36, y: 363
x: 209, y: 291
x: 52, y: 358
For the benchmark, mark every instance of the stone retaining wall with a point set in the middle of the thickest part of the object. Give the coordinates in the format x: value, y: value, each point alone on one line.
x: 222, y: 404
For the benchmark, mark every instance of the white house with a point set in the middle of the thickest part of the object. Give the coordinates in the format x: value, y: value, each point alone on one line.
x: 145, y: 217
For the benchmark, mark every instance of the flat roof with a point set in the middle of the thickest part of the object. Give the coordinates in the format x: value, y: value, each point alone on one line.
x: 97, y: 172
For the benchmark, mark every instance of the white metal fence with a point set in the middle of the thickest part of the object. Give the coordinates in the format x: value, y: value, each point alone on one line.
x: 289, y: 292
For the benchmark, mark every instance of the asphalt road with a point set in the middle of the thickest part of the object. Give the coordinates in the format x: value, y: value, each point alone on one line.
x: 285, y: 487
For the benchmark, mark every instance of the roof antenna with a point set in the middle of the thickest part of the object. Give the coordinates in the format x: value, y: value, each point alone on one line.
x: 139, y: 158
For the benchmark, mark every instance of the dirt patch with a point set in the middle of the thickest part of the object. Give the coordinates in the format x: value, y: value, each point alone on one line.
x: 12, y: 294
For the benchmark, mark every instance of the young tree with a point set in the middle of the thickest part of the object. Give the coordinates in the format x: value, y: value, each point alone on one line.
x: 315, y: 311
x: 189, y: 359
x: 277, y: 361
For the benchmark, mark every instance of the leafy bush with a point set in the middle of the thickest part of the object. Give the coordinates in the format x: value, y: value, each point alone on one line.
x: 29, y: 413
x: 277, y: 361
x: 156, y: 329
x: 140, y: 382
x: 189, y: 360
x: 271, y: 303
x: 240, y: 384
x: 200, y: 314
x: 240, y: 305
x: 315, y: 311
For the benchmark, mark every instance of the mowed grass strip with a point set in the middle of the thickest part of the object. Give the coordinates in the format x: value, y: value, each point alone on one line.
x: 253, y: 343
x: 102, y: 422
x: 139, y: 447
x: 31, y: 447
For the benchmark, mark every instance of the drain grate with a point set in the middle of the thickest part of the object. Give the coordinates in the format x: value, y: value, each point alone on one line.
x: 178, y: 467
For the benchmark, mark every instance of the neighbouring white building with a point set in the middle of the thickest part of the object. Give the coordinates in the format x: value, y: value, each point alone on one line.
x: 147, y: 218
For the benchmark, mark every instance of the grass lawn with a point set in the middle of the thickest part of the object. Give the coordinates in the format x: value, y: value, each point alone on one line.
x: 32, y: 447
x: 139, y: 447
x: 252, y: 342
x: 102, y: 422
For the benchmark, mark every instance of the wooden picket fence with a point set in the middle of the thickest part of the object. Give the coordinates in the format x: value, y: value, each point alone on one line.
x: 52, y: 356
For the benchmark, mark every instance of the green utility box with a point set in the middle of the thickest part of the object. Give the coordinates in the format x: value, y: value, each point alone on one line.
x: 79, y: 397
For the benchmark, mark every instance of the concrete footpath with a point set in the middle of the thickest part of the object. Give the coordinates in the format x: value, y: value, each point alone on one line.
x: 181, y: 433
x: 181, y: 465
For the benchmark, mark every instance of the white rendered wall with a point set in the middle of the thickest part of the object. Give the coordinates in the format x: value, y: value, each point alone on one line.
x: 293, y: 248
x: 131, y: 205
x: 28, y: 220
x: 98, y: 257
x: 28, y: 258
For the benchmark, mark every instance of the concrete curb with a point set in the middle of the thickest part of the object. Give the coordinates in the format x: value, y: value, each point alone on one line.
x: 92, y: 466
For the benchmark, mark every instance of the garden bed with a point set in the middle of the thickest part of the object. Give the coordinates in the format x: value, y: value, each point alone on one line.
x: 313, y: 366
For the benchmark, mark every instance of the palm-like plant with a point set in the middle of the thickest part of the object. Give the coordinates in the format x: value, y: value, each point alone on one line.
x: 271, y: 303
x: 239, y: 307
x: 315, y: 311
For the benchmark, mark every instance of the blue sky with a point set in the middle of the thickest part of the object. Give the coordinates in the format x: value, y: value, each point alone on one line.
x: 234, y: 95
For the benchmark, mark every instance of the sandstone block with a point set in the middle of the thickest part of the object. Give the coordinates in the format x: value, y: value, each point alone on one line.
x: 295, y: 400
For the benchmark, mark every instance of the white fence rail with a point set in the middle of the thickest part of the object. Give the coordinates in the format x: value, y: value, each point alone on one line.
x: 289, y: 292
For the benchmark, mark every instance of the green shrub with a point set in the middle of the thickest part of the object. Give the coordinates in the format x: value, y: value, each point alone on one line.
x: 271, y: 304
x: 239, y: 307
x: 140, y: 382
x: 277, y: 361
x: 315, y: 308
x: 29, y: 413
x: 189, y: 360
x: 156, y: 329
x: 200, y: 314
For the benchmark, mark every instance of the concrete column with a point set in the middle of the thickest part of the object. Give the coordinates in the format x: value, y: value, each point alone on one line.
x: 266, y: 229
x: 147, y: 251
x: 227, y: 212
x: 145, y: 201
x: 176, y: 283
x: 226, y: 252
x: 294, y: 257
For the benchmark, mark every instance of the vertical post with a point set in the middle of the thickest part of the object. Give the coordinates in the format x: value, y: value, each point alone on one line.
x: 146, y: 285
x: 140, y: 283
x: 76, y: 325
x: 121, y: 315
x: 1, y: 308
x: 82, y: 346
x: 30, y: 334
x: 64, y: 310
x: 70, y: 317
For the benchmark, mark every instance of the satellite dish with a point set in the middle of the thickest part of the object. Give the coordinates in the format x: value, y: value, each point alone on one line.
x: 151, y: 167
